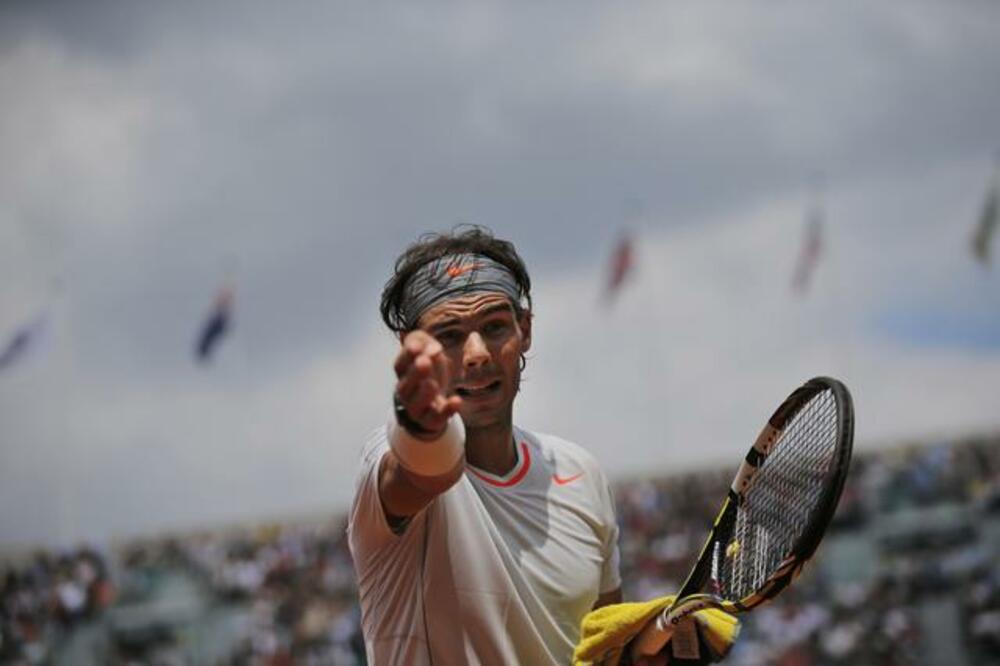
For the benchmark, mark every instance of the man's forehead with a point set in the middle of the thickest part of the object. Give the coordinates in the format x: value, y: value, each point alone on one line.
x: 467, y: 305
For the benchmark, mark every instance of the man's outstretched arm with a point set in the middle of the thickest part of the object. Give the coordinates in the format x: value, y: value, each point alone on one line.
x: 426, y: 447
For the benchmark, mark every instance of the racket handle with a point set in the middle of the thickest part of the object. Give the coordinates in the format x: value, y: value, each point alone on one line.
x: 653, y: 636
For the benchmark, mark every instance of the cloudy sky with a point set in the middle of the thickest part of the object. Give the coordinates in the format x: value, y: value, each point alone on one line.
x: 150, y: 154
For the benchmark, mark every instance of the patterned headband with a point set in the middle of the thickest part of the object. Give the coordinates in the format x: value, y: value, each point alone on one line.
x: 455, y: 275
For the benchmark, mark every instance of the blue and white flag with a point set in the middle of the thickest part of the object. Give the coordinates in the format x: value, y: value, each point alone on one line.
x: 216, y: 326
x: 21, y: 341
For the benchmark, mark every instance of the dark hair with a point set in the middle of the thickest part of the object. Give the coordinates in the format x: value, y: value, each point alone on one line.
x: 465, y: 238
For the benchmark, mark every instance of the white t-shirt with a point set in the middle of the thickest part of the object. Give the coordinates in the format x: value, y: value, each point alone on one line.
x: 495, y: 570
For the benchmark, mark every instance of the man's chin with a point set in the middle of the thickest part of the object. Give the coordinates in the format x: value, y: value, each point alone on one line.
x: 476, y: 420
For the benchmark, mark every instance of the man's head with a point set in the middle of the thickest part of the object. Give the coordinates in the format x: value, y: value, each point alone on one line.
x: 471, y: 291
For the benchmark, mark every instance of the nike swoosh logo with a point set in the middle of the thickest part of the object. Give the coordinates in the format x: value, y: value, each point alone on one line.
x: 563, y: 480
x: 455, y: 271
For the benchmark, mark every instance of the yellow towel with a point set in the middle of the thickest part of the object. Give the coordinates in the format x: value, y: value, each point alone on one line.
x: 606, y: 632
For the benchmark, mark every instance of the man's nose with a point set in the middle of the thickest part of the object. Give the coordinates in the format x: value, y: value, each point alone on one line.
x: 475, y: 352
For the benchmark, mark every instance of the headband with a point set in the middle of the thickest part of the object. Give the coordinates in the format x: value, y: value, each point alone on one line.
x: 454, y: 275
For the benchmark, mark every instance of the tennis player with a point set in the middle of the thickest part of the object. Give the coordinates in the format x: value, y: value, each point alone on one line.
x: 474, y: 541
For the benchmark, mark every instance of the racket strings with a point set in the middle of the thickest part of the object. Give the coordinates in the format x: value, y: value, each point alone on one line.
x: 777, y: 508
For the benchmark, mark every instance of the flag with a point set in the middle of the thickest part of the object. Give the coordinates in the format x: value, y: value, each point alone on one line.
x: 216, y: 326
x: 622, y: 263
x: 812, y: 246
x: 987, y: 225
x: 21, y: 341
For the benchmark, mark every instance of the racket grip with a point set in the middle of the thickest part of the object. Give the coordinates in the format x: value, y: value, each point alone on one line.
x: 653, y: 636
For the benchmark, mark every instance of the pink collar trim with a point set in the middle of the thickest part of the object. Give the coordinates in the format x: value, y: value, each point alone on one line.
x: 513, y: 478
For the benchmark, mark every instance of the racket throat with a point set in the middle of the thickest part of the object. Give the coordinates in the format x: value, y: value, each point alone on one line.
x: 714, y: 575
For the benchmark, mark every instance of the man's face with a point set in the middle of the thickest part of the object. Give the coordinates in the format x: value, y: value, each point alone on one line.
x: 483, y: 341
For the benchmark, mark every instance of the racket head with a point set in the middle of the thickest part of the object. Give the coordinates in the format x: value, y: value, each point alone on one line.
x: 807, y: 481
x: 780, y: 502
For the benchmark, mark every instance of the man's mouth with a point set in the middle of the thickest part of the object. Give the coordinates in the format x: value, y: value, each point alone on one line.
x: 478, y: 390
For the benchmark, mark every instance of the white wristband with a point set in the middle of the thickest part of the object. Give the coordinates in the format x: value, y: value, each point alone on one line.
x: 428, y: 457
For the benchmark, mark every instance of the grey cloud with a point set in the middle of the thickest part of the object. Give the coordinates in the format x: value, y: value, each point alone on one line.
x: 296, y: 150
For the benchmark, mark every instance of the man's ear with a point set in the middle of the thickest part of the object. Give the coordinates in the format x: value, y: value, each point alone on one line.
x: 524, y: 322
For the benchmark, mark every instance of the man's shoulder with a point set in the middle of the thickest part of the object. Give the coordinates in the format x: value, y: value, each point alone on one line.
x: 553, y: 446
x: 375, y: 445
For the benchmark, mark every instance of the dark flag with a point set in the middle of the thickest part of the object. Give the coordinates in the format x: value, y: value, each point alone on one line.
x: 622, y: 263
x: 20, y: 341
x: 812, y: 246
x: 987, y: 225
x: 216, y: 326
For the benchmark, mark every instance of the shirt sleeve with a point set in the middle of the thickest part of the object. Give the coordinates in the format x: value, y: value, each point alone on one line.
x: 387, y: 565
x: 367, y: 526
x: 610, y: 573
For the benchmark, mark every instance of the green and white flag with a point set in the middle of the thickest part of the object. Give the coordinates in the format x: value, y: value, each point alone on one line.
x: 987, y: 224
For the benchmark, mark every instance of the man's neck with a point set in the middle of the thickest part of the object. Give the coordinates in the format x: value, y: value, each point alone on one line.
x: 491, y: 449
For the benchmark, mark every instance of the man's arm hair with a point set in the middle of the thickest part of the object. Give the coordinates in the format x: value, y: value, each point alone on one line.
x: 404, y: 493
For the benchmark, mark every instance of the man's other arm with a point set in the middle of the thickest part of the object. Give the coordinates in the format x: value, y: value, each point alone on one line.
x: 608, y: 598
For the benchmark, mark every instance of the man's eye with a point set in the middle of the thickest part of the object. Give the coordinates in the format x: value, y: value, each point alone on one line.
x: 495, y: 328
x: 448, y: 338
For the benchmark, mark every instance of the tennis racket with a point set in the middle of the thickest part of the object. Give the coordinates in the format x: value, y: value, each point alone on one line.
x: 775, y: 514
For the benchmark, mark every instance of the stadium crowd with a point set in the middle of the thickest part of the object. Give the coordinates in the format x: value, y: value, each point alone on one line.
x: 45, y: 598
x: 299, y: 584
x: 295, y: 589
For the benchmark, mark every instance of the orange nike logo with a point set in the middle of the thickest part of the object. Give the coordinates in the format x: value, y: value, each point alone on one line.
x: 563, y: 480
x: 455, y: 271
